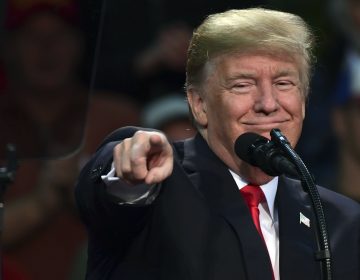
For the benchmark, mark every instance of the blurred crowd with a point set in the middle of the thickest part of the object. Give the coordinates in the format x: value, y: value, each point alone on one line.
x: 64, y: 85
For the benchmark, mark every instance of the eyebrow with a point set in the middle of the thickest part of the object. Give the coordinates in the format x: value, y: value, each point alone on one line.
x: 251, y: 75
x: 286, y: 72
x: 244, y: 75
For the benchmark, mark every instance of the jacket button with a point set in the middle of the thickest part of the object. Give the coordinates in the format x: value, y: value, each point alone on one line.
x: 96, y: 172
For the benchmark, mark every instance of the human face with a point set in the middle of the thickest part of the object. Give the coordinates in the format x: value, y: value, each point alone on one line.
x: 45, y: 52
x: 248, y: 93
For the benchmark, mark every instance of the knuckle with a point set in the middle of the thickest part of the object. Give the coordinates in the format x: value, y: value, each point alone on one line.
x: 137, y: 161
x: 125, y: 169
x: 139, y: 134
x: 126, y: 143
x: 117, y: 149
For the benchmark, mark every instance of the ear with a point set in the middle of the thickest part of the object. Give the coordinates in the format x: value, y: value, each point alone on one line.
x: 303, y: 109
x: 198, y: 106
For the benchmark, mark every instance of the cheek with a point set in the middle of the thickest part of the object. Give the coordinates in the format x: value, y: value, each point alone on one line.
x: 230, y: 113
x: 295, y: 108
x: 294, y: 104
x: 223, y: 113
x: 237, y: 106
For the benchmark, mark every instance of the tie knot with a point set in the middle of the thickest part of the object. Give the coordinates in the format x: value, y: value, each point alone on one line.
x: 253, y: 195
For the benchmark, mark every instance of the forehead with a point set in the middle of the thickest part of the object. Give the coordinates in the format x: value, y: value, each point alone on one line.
x: 255, y: 64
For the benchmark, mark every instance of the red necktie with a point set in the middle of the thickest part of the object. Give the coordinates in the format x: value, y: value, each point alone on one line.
x: 253, y: 195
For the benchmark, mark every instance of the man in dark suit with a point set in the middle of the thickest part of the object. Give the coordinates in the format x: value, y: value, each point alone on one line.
x: 156, y: 210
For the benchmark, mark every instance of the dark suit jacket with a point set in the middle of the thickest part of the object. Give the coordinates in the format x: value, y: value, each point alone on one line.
x: 199, y: 227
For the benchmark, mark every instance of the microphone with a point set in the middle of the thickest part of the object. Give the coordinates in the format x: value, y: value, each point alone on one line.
x: 263, y: 153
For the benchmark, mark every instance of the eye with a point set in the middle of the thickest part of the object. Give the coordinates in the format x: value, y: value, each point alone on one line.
x: 284, y: 85
x: 242, y: 87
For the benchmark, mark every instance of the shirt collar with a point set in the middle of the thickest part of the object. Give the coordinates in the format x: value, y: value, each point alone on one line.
x: 269, y: 190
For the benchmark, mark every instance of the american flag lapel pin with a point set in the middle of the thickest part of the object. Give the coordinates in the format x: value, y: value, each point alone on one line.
x: 304, y: 220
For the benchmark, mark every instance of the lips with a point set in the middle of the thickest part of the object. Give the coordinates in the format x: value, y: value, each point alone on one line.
x: 266, y: 123
x: 264, y: 128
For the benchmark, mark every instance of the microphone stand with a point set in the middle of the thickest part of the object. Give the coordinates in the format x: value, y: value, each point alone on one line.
x: 7, y: 176
x: 323, y: 254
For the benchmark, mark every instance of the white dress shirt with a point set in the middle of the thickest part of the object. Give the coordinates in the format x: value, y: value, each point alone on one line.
x: 128, y: 194
x: 269, y: 221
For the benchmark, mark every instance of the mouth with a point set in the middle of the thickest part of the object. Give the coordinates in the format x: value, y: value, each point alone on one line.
x: 264, y: 128
x: 265, y: 125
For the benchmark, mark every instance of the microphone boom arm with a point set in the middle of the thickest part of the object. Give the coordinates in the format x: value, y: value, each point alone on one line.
x: 323, y: 254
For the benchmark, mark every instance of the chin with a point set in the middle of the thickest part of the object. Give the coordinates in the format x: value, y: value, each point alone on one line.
x: 256, y: 176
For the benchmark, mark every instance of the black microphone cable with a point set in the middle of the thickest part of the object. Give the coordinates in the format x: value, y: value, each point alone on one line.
x: 323, y: 254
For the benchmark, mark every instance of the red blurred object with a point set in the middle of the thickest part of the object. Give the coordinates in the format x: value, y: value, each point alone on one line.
x: 11, y: 271
x: 18, y: 11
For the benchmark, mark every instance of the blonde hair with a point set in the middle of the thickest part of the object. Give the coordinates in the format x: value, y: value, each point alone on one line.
x: 250, y: 30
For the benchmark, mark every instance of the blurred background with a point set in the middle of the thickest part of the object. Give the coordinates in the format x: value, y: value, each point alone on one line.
x: 73, y: 71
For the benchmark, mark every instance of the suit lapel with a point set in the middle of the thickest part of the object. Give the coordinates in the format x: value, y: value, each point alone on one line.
x: 296, y: 232
x: 215, y: 183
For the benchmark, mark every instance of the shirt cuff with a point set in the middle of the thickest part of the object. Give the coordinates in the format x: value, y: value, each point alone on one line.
x: 126, y: 194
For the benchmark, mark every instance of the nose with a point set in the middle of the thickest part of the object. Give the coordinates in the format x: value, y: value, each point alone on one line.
x: 266, y: 101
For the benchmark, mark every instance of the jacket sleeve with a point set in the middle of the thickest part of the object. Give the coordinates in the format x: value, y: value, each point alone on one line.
x: 111, y: 226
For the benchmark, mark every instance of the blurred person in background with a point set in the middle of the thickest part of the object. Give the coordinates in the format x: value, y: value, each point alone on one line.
x: 346, y: 122
x: 170, y: 114
x: 44, y: 108
x: 346, y: 101
x: 42, y: 51
x: 160, y: 67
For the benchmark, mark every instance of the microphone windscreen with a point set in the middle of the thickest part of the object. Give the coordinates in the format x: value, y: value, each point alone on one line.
x: 246, y: 143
